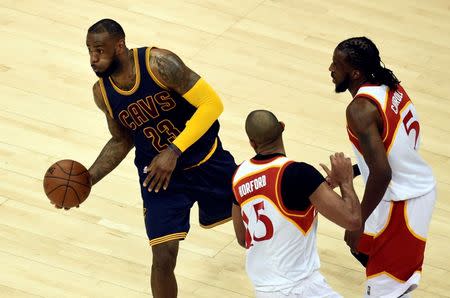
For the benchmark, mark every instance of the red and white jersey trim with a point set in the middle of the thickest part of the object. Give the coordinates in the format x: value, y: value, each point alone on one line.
x: 411, y: 176
x: 281, y: 243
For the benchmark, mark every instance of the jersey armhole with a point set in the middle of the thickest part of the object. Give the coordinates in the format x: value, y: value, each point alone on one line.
x: 149, y: 70
x: 233, y: 184
x: 380, y: 109
x: 105, y: 97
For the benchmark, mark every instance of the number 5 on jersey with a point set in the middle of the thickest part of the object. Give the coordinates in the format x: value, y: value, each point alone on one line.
x: 410, y: 122
x: 260, y: 219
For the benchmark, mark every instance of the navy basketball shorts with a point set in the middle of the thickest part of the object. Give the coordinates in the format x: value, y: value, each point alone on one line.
x: 167, y: 212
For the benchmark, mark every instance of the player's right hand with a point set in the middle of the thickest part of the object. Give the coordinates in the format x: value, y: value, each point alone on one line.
x: 341, y: 169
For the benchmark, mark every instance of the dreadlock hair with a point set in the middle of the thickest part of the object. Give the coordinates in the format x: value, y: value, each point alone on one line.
x: 363, y: 55
x: 107, y: 25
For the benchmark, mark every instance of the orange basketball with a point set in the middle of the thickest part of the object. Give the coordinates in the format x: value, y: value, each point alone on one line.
x: 67, y: 183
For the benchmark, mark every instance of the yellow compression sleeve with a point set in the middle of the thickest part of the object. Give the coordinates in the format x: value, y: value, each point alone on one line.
x: 209, y: 107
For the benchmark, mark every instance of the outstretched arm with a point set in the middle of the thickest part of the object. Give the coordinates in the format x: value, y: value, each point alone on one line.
x: 116, y: 149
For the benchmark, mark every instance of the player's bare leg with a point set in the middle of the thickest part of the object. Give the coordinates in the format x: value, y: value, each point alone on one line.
x: 164, y: 284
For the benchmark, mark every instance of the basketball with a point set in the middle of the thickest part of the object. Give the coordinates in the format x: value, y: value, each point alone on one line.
x: 67, y: 183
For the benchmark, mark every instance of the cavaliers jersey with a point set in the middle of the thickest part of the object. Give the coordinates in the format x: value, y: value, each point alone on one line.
x: 411, y: 176
x: 154, y: 115
x: 281, y: 243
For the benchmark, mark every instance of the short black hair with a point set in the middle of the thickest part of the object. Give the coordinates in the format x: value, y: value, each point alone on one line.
x: 108, y: 25
x: 363, y: 54
x: 263, y: 127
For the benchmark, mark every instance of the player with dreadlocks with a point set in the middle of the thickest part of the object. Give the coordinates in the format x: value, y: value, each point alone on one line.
x: 399, y: 196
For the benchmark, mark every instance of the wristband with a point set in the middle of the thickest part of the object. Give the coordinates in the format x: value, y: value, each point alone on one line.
x: 175, y: 149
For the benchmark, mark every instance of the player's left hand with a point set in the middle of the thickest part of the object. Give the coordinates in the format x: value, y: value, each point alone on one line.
x: 160, y: 170
x: 352, y: 239
x: 328, y: 179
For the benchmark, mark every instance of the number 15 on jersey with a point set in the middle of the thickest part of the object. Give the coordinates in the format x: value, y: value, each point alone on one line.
x: 258, y: 227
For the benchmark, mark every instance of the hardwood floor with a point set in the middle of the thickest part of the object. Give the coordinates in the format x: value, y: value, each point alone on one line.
x: 256, y: 54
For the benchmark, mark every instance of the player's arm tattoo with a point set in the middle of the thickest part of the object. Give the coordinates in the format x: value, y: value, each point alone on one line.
x: 364, y: 120
x: 171, y: 71
x: 115, y: 150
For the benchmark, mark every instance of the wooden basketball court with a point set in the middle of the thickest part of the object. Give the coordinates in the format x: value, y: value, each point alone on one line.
x: 256, y: 54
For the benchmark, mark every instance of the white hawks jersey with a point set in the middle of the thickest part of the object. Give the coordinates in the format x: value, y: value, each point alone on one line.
x: 281, y: 243
x: 411, y: 176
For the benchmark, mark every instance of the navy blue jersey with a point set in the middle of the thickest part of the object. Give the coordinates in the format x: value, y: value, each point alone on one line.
x: 154, y: 115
